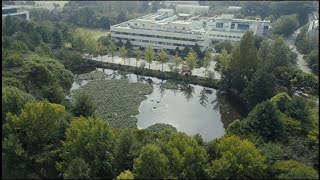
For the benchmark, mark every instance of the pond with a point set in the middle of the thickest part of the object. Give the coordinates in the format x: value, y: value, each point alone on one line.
x: 189, y: 108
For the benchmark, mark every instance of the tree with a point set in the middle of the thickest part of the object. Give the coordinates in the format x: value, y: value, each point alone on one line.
x: 89, y: 139
x: 294, y: 170
x: 265, y: 54
x: 112, y: 48
x: 163, y: 57
x: 77, y: 169
x: 101, y: 48
x: 44, y: 50
x: 123, y: 151
x: 238, y: 159
x: 285, y: 24
x: 13, y: 100
x: 125, y: 175
x: 313, y: 61
x: 223, y: 45
x: 123, y: 54
x: 138, y: 56
x: 242, y: 65
x: 187, y: 158
x: 244, y: 58
x: 260, y: 88
x: 224, y: 60
x: 57, y: 38
x: 83, y: 105
x: 149, y: 54
x: 264, y: 120
x: 177, y: 60
x: 191, y: 59
x: 207, y: 61
x: 31, y: 138
x: 151, y: 163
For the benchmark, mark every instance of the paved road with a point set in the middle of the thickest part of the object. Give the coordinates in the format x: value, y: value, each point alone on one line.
x: 301, y: 64
x: 155, y: 65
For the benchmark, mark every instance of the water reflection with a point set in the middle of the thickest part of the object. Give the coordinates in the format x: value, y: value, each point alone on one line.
x: 187, y: 91
x: 203, y: 98
x: 179, y: 108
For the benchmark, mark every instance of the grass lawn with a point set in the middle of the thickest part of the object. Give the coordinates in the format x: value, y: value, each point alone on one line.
x: 117, y: 101
x: 97, y: 32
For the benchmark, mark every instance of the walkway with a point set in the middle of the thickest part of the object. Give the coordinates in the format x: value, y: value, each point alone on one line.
x: 290, y: 41
x: 155, y: 65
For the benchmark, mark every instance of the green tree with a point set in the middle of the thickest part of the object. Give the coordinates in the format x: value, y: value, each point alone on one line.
x: 237, y: 159
x: 294, y: 170
x: 224, y: 60
x: 207, y: 60
x: 242, y: 65
x: 89, y: 139
x: 313, y: 61
x: 125, y: 175
x: 187, y: 158
x: 83, y: 105
x: 265, y: 54
x: 31, y: 138
x: 244, y: 57
x: 191, y: 59
x: 123, y: 151
x: 44, y: 50
x: 264, y: 120
x: 57, y: 38
x: 177, y: 60
x: 138, y: 54
x: 163, y: 57
x: 223, y: 45
x: 151, y: 163
x: 123, y: 53
x: 77, y: 169
x: 260, y: 88
x: 285, y: 24
x: 112, y: 48
x: 102, y: 49
x: 13, y: 100
x: 149, y: 54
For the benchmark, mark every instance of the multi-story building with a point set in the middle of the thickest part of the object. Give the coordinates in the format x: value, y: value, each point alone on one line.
x: 169, y: 30
x: 13, y: 11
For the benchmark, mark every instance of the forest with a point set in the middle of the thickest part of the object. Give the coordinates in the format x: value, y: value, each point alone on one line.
x: 46, y: 135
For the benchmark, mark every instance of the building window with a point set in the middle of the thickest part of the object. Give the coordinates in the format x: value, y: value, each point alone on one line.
x: 219, y: 25
x: 204, y: 24
x: 243, y: 26
x: 266, y: 27
x: 232, y: 26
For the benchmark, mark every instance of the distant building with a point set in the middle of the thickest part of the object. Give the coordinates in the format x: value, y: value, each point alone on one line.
x: 174, y: 3
x: 192, y: 10
x: 234, y: 8
x: 169, y: 30
x: 13, y: 11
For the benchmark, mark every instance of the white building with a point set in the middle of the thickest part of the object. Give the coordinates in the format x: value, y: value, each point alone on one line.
x: 167, y: 30
x: 192, y: 10
x: 13, y: 11
x: 234, y: 8
x: 174, y: 3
